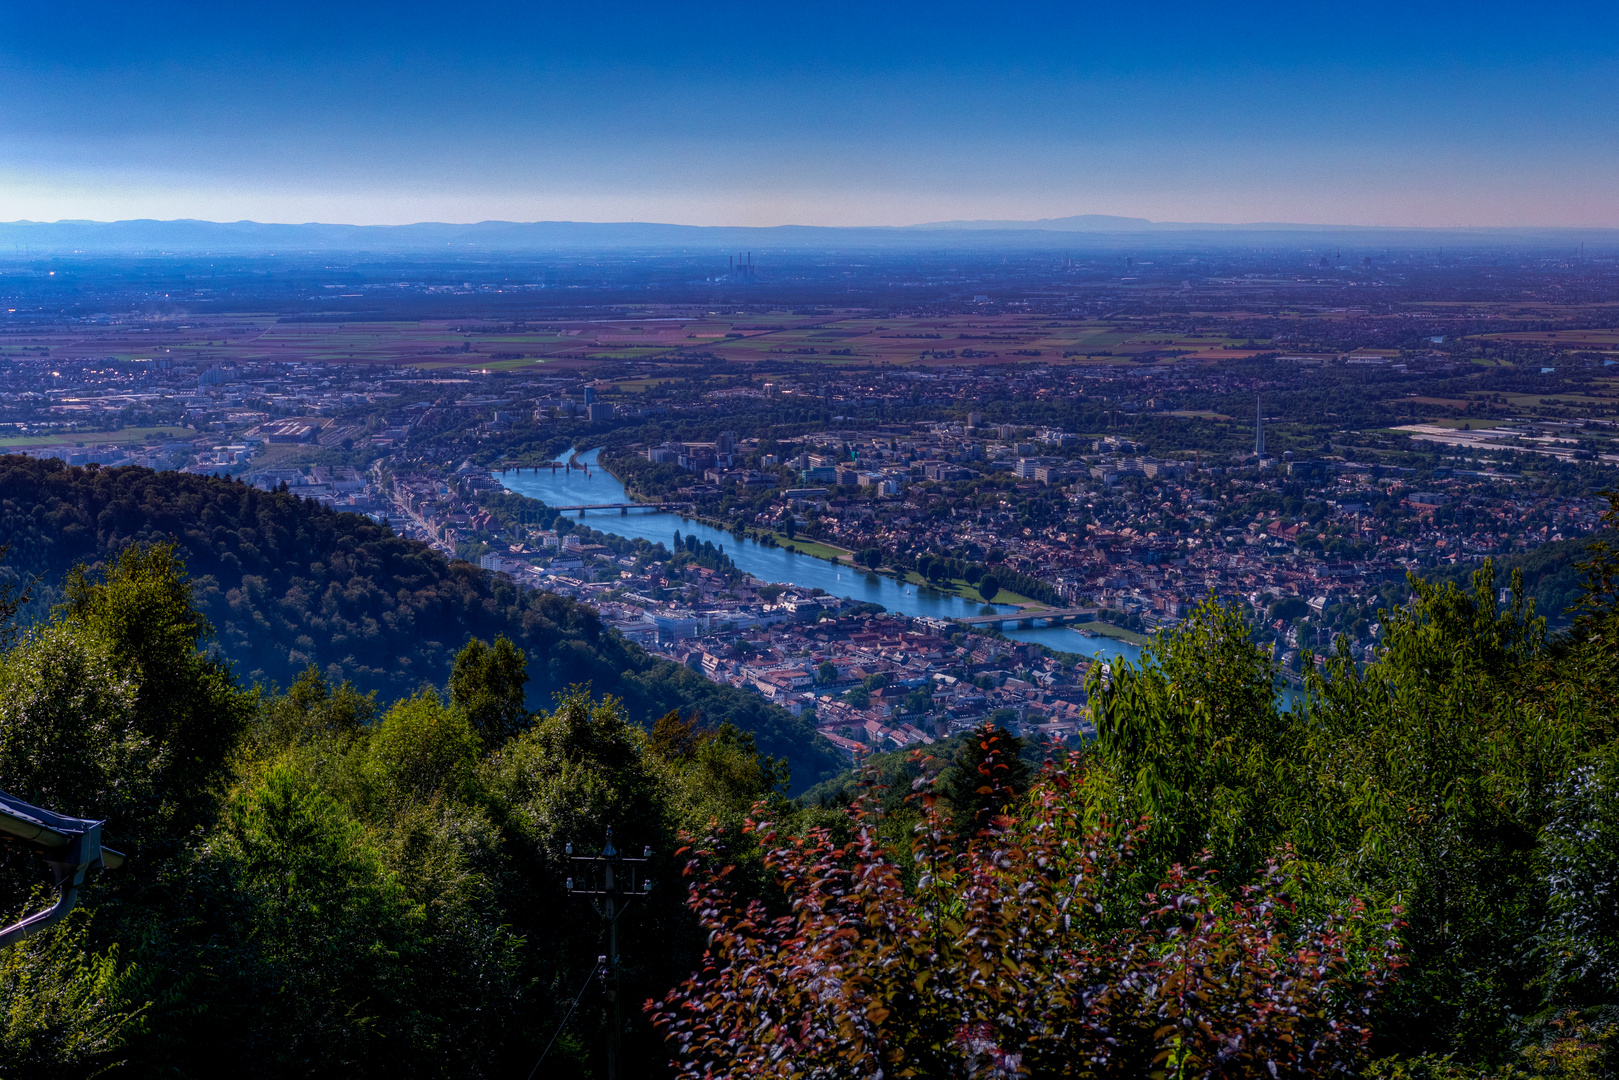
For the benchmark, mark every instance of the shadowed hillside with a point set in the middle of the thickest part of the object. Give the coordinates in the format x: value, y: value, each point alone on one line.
x: 288, y: 583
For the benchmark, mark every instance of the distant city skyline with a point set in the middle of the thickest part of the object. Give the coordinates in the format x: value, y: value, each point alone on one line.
x: 829, y: 114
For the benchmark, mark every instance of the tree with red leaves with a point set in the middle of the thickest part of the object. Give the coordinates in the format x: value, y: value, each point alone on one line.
x: 1020, y: 953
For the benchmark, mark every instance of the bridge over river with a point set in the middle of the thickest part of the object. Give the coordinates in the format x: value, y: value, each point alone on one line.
x: 567, y: 487
x: 626, y: 507
x: 1020, y: 617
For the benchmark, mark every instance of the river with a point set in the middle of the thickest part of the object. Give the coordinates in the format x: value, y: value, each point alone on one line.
x: 563, y: 487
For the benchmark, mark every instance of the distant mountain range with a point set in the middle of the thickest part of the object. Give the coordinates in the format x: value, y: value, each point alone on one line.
x: 1107, y: 223
x: 1082, y: 232
x: 1076, y: 223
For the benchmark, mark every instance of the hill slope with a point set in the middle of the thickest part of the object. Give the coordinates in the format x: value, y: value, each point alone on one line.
x: 1552, y: 574
x: 288, y: 583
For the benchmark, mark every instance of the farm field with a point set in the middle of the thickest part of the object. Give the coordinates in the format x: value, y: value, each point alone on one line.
x: 1448, y: 403
x: 141, y: 435
x: 1529, y: 401
x: 751, y: 339
x: 1605, y: 338
x: 850, y: 338
x: 1476, y: 423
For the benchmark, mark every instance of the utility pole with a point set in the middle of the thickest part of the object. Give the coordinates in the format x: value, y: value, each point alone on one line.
x: 612, y: 881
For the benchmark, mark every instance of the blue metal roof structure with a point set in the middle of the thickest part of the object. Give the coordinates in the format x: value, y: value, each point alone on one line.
x: 70, y: 846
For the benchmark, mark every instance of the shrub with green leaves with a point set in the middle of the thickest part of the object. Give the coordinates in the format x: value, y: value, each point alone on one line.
x: 65, y: 1011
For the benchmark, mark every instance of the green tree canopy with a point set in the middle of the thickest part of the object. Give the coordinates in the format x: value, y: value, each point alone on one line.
x: 988, y: 587
x: 488, y: 683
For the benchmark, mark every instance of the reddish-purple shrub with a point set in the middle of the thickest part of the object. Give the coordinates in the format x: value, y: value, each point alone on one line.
x: 1021, y: 953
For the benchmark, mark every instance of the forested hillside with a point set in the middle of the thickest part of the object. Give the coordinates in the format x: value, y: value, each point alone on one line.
x: 320, y: 884
x: 288, y: 583
x: 1552, y: 577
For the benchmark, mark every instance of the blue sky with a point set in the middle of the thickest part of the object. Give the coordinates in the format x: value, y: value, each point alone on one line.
x: 770, y: 113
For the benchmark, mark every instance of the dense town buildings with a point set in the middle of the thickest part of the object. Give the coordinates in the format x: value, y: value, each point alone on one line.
x: 1120, y: 489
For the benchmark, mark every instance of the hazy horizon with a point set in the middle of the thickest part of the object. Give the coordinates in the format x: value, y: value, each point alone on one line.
x: 1125, y: 223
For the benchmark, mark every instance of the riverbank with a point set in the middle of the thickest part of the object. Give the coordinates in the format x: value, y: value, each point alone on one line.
x: 960, y: 587
x: 808, y: 565
x: 1118, y: 633
x: 815, y: 549
x: 841, y: 556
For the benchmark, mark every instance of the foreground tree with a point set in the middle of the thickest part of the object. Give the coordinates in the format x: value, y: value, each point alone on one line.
x: 488, y: 683
x: 1024, y: 953
x: 987, y: 774
x: 1454, y: 774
